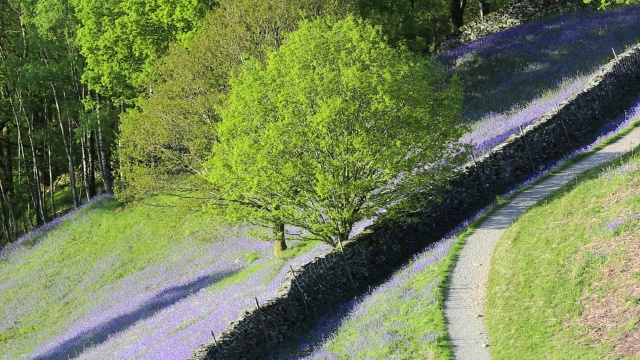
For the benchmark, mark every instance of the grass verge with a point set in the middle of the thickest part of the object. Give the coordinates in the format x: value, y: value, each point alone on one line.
x: 558, y: 285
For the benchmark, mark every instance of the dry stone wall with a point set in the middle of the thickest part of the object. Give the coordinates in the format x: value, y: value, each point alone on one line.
x: 320, y: 285
x: 516, y: 13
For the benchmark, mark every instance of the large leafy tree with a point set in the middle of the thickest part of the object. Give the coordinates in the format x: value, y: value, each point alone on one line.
x: 336, y: 126
x: 122, y: 41
x: 166, y: 140
x: 170, y: 132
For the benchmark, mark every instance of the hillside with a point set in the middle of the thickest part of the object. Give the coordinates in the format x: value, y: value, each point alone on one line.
x: 136, y: 282
x: 388, y: 322
x: 529, y: 70
x: 565, y: 278
x: 139, y: 281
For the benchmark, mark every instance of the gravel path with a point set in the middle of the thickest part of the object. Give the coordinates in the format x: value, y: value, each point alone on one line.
x: 464, y: 303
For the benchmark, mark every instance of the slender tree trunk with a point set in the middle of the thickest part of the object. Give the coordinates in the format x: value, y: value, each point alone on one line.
x: 457, y: 13
x: 5, y: 238
x: 26, y: 210
x: 52, y: 188
x: 6, y: 156
x: 43, y: 181
x: 18, y: 187
x: 66, y: 142
x: 87, y: 165
x: 37, y: 188
x: 84, y: 162
x: 347, y: 268
x: 26, y: 215
x: 485, y: 8
x: 5, y: 234
x: 105, y: 160
x: 25, y: 45
x: 29, y: 192
x: 13, y: 234
x: 279, y: 244
x: 91, y: 157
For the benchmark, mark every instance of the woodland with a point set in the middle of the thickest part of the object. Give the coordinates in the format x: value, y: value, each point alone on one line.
x: 123, y: 96
x: 143, y: 140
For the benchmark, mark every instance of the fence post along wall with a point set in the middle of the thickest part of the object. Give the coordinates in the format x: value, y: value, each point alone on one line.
x: 320, y: 285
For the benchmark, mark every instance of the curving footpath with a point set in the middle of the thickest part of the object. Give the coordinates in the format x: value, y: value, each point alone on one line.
x: 464, y: 303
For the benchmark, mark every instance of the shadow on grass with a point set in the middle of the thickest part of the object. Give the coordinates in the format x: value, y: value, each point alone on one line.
x: 516, y: 66
x: 309, y: 341
x: 99, y: 334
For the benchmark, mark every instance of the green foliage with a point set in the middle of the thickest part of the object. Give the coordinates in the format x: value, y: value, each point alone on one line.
x: 173, y: 129
x: 603, y: 4
x: 418, y: 24
x: 336, y: 126
x: 121, y: 39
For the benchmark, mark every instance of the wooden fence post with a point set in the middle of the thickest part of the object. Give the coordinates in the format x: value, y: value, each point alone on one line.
x: 264, y: 328
x: 295, y: 282
x: 526, y: 145
x: 216, y: 343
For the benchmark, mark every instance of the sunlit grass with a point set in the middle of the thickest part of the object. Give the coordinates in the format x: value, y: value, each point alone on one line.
x: 551, y: 260
x: 388, y: 323
x: 513, y: 77
x: 76, y: 287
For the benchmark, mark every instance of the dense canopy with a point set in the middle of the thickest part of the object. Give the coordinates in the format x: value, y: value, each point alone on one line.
x: 336, y: 126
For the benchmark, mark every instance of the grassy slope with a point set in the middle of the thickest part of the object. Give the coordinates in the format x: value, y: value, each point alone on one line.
x: 73, y: 280
x: 564, y: 283
x: 403, y: 318
x: 105, y: 263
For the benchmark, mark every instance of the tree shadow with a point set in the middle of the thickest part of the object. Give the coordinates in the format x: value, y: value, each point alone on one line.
x: 517, y: 65
x: 101, y: 333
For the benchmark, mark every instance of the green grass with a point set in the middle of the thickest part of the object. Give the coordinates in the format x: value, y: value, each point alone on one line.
x: 542, y: 269
x: 397, y: 323
x: 412, y: 321
x: 50, y: 284
x: 53, y: 273
x: 403, y: 318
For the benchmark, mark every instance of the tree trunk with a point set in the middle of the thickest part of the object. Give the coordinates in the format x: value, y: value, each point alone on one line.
x: 279, y: 244
x: 5, y: 155
x: 52, y: 188
x: 457, y: 13
x: 67, y: 149
x: 13, y: 234
x: 105, y: 160
x: 88, y: 164
x: 37, y: 187
x: 485, y: 8
x: 5, y: 232
x: 347, y: 268
x: 21, y: 161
